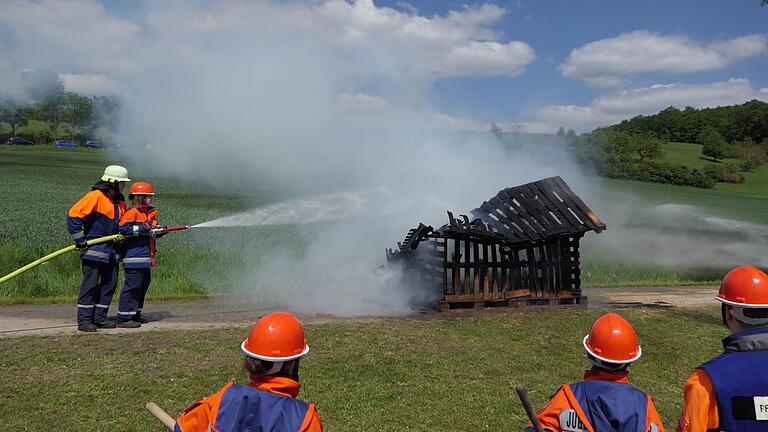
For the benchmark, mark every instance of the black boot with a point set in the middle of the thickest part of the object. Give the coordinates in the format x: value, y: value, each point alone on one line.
x: 128, y: 324
x: 86, y: 327
x: 107, y: 324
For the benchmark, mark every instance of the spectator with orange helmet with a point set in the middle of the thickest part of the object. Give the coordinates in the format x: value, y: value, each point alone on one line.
x: 730, y: 392
x: 97, y: 214
x: 272, y: 351
x: 605, y: 400
x: 140, y: 227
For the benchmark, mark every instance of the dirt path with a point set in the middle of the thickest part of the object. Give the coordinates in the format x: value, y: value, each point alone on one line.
x: 18, y: 320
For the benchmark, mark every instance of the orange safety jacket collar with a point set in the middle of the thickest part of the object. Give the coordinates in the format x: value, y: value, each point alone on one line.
x: 277, y: 385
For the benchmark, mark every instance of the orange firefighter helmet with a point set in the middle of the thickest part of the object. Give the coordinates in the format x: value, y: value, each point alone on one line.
x: 142, y: 188
x: 277, y: 337
x: 745, y: 287
x: 612, y: 339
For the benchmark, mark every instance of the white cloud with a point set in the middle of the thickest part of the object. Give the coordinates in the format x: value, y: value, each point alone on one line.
x: 610, y: 62
x: 459, y: 44
x: 485, y: 58
x: 89, y: 84
x: 614, y: 107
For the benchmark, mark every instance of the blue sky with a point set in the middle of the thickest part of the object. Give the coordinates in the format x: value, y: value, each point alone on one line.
x: 539, y: 64
x: 555, y: 28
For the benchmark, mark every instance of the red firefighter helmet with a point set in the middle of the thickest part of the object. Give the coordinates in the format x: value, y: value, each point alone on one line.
x: 744, y: 286
x: 277, y: 337
x: 612, y: 339
x: 142, y: 188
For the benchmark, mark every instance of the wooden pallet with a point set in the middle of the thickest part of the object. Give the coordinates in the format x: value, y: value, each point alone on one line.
x: 578, y: 301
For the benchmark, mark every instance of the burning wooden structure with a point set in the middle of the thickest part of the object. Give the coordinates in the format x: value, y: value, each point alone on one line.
x: 520, y: 248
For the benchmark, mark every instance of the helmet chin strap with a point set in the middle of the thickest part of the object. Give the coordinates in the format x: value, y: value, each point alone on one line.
x: 276, y: 366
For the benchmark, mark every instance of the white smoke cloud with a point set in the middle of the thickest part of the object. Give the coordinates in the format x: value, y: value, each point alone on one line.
x: 307, y: 97
x: 71, y: 36
x: 89, y: 84
x: 611, y: 62
x: 361, y: 103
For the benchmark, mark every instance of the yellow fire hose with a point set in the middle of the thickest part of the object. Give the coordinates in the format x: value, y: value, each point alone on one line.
x: 9, y: 276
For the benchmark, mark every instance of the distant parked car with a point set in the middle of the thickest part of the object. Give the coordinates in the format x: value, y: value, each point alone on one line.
x: 63, y: 144
x: 20, y: 141
x: 94, y: 144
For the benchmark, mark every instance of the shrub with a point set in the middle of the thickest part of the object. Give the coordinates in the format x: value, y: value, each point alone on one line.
x: 727, y: 172
x: 660, y: 173
x: 751, y: 154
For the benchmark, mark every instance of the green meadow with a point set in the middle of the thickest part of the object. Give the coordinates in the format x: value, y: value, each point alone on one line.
x: 448, y: 374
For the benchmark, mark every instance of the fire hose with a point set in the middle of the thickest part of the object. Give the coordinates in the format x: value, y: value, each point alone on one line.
x: 114, y: 237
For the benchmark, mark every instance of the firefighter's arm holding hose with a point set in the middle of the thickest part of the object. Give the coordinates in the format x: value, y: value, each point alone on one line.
x: 76, y: 216
x: 135, y: 223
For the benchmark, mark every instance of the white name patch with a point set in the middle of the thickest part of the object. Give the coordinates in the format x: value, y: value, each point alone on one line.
x: 761, y: 407
x: 570, y: 421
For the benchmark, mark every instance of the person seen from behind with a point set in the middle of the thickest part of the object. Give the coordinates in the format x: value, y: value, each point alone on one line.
x: 272, y: 351
x: 140, y: 227
x: 730, y: 391
x: 604, y: 401
x: 97, y: 214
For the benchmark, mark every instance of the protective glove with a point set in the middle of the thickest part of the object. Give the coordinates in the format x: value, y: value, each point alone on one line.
x: 81, y: 246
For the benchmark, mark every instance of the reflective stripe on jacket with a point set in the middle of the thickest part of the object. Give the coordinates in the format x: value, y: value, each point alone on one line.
x: 603, y: 402
x: 267, y: 404
x: 139, y: 246
x: 739, y: 399
x: 96, y: 215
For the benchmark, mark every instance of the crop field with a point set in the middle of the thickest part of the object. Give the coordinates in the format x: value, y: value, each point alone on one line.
x: 455, y: 374
x: 40, y: 183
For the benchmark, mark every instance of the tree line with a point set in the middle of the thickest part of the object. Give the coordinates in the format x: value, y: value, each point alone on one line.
x: 632, y: 149
x: 42, y: 111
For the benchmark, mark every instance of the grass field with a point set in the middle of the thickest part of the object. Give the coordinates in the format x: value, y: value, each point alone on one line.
x: 455, y: 374
x: 40, y: 183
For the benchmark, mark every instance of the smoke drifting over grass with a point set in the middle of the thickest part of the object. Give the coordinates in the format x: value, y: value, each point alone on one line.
x: 329, y: 100
x: 680, y: 236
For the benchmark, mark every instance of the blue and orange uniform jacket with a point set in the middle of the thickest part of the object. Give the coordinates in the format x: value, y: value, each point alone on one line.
x: 730, y: 392
x: 139, y: 246
x: 97, y: 214
x: 604, y: 402
x: 267, y: 404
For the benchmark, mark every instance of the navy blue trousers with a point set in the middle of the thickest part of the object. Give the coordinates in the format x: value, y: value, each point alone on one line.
x: 96, y: 291
x: 134, y: 291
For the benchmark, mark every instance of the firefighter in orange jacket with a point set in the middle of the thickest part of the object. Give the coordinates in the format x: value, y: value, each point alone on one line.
x: 140, y: 227
x: 96, y: 215
x: 605, y: 400
x: 730, y: 392
x: 272, y: 353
